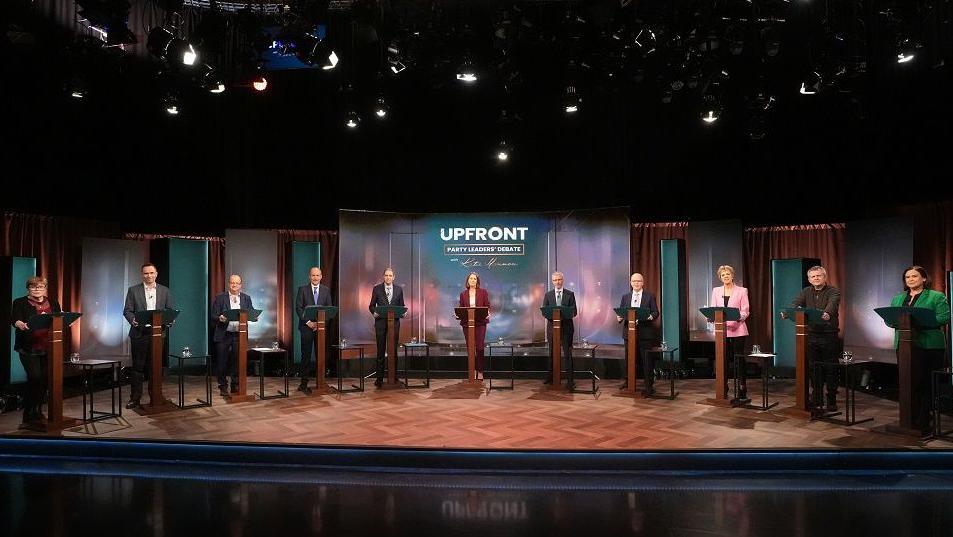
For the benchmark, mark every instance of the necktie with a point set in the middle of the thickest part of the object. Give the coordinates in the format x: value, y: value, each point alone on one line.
x: 388, y: 295
x: 635, y: 299
x: 559, y: 298
x: 315, y: 296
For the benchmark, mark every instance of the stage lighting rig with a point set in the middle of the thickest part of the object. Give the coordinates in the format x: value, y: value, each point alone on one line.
x: 108, y: 18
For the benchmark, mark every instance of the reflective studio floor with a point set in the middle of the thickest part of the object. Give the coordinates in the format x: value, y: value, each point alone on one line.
x: 149, y: 494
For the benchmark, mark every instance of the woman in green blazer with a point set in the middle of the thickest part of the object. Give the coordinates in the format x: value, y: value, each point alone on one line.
x: 929, y: 344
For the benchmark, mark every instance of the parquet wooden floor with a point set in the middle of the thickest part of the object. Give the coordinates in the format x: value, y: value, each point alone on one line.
x: 451, y: 415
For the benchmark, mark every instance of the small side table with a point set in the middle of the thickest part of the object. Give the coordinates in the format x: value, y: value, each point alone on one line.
x: 90, y: 414
x: 671, y: 369
x: 850, y: 376
x: 587, y: 352
x: 936, y: 378
x: 208, y: 379
x: 503, y: 350
x: 411, y: 350
x: 261, y: 352
x: 764, y: 360
x: 349, y: 352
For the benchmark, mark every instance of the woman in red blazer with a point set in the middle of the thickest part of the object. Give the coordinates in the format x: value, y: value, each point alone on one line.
x: 476, y: 296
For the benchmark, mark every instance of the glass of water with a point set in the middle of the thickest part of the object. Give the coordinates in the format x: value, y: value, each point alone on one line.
x: 344, y: 342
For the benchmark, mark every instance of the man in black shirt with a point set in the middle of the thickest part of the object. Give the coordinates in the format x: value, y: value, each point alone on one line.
x: 822, y: 341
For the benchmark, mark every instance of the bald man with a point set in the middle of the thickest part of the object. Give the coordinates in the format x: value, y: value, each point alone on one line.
x: 638, y: 297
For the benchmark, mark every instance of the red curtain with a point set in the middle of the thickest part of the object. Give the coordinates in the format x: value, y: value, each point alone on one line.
x: 762, y: 244
x: 56, y: 243
x: 329, y: 263
x: 645, y: 252
x: 933, y: 240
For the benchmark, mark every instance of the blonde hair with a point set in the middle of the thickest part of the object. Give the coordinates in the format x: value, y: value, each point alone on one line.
x: 725, y: 268
x: 36, y: 281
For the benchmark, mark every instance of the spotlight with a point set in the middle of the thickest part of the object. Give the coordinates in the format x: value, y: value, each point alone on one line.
x: 109, y: 18
x: 906, y: 51
x: 571, y: 100
x: 260, y: 84
x: 503, y: 152
x: 352, y: 120
x: 711, y: 109
x: 380, y: 109
x: 710, y: 115
x: 467, y: 73
x: 163, y: 44
x: 812, y: 85
x: 171, y: 105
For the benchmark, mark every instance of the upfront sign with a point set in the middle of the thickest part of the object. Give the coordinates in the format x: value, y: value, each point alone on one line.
x: 483, y: 233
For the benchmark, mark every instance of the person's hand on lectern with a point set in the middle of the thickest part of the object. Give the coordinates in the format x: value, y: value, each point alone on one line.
x: 312, y: 325
x: 784, y: 315
x: 826, y: 316
x: 376, y: 316
x: 222, y: 319
x: 21, y: 325
x: 619, y: 319
x: 650, y: 318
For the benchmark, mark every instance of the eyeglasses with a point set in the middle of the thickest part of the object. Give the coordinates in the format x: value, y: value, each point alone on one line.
x: 37, y: 287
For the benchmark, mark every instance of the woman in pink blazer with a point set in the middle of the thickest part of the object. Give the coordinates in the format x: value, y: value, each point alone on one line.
x: 729, y: 295
x: 476, y: 296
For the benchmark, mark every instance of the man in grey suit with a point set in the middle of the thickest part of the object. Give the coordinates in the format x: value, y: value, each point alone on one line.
x: 559, y: 296
x: 147, y: 295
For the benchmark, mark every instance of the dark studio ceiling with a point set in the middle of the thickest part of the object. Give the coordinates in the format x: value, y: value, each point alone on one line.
x: 815, y: 116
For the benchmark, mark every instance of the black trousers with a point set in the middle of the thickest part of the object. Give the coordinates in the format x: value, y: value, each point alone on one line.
x: 226, y: 359
x: 735, y: 346
x: 566, y: 348
x: 822, y: 351
x: 380, y: 330
x: 34, y: 364
x: 646, y: 360
x: 141, y: 348
x: 307, y: 349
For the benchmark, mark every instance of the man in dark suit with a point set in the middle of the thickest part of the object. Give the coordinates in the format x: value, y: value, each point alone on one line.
x: 225, y: 334
x: 648, y: 331
x: 147, y: 295
x: 313, y: 294
x: 558, y: 296
x: 386, y: 293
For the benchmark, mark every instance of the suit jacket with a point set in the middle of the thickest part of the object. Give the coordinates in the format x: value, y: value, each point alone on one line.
x: 569, y: 301
x: 482, y: 300
x: 379, y: 298
x: 136, y: 301
x: 306, y: 298
x: 929, y: 338
x: 648, y: 330
x: 22, y: 310
x: 738, y: 299
x: 220, y: 305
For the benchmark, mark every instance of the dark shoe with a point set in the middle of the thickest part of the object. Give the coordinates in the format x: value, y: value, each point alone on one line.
x: 235, y: 389
x: 625, y: 385
x: 831, y: 406
x: 304, y: 388
x: 649, y: 391
x: 379, y: 382
x: 548, y: 380
x: 743, y: 393
x: 133, y: 404
x: 571, y: 386
x: 223, y: 391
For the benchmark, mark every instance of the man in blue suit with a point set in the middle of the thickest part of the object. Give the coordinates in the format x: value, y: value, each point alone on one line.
x: 313, y: 294
x: 225, y: 335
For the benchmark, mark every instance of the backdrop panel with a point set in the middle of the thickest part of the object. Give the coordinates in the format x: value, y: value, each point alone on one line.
x: 253, y: 255
x: 110, y: 267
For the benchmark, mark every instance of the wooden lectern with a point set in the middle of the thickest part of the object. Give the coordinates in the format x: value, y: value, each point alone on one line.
x: 632, y: 358
x: 157, y: 321
x: 391, y: 314
x: 472, y: 315
x: 56, y: 323
x: 719, y: 316
x: 243, y: 317
x: 906, y: 320
x: 801, y: 318
x: 320, y: 315
x: 556, y: 314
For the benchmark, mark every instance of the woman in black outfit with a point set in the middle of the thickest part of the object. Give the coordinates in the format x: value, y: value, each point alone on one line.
x: 31, y: 345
